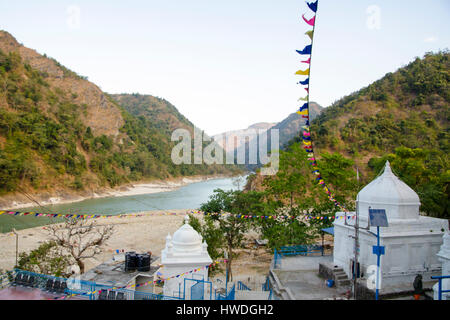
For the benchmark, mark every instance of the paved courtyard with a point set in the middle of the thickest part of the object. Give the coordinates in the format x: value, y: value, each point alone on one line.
x: 301, y: 275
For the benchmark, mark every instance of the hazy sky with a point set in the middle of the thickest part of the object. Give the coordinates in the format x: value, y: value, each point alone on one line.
x: 228, y: 64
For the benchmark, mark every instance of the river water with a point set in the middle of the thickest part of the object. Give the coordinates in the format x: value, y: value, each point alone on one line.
x: 190, y: 196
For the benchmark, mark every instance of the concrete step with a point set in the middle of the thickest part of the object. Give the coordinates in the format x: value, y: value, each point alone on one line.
x: 340, y: 283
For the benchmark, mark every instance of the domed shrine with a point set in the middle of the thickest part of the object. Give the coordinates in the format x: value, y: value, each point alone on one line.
x: 184, y: 257
x: 411, y: 241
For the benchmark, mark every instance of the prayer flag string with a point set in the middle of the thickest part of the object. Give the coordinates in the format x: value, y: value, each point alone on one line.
x: 304, y: 109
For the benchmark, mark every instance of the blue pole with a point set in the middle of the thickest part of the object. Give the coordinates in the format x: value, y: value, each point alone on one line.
x: 226, y: 281
x: 440, y: 289
x: 378, y: 263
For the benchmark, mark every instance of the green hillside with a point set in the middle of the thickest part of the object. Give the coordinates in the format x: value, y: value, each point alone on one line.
x: 163, y: 114
x: 59, y: 131
x: 403, y: 117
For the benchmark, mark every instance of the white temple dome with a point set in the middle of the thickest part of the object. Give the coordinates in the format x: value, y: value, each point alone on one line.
x: 390, y: 193
x: 186, y: 238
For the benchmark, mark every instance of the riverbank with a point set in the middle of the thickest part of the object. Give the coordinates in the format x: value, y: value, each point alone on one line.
x: 141, y: 234
x: 15, y: 201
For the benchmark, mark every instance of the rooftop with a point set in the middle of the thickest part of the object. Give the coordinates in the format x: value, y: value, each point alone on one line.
x: 112, y: 272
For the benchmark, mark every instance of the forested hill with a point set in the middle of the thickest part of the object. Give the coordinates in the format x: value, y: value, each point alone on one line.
x: 60, y: 132
x: 163, y: 114
x: 403, y: 117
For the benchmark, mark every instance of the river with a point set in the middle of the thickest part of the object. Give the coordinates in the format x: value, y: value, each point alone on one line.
x: 190, y: 196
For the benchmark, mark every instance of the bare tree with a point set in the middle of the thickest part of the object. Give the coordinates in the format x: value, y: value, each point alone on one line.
x: 81, y: 238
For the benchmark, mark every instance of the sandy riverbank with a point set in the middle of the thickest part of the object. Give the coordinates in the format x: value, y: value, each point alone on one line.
x: 18, y: 200
x: 140, y: 234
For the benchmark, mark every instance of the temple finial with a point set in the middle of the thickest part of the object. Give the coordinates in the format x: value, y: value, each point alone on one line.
x: 387, y: 168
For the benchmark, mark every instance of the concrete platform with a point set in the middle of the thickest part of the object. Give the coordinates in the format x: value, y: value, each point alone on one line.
x: 300, y: 275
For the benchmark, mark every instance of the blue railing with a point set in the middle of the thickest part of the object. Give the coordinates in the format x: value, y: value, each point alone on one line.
x: 277, y: 259
x: 82, y: 288
x: 266, y: 285
x: 230, y: 295
x: 303, y: 250
x: 242, y: 286
x: 440, y: 291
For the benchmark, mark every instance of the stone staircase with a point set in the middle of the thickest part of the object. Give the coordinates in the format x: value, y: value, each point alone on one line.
x: 340, y: 277
x: 330, y: 271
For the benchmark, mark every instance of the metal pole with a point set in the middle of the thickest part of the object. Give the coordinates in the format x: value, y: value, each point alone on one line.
x: 355, y: 266
x: 378, y: 263
x: 440, y: 289
x: 17, y: 243
x: 226, y: 277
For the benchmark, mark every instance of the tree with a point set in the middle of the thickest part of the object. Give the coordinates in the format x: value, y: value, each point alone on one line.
x: 231, y: 227
x: 286, y: 231
x: 290, y: 179
x: 48, y: 258
x: 81, y: 238
x: 213, y: 236
x: 426, y: 172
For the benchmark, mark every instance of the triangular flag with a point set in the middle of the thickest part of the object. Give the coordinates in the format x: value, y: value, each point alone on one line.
x: 306, y: 50
x: 306, y: 82
x: 310, y: 34
x: 313, y: 5
x: 310, y: 21
x: 303, y: 99
x: 303, y: 72
x: 307, y: 61
x: 303, y: 107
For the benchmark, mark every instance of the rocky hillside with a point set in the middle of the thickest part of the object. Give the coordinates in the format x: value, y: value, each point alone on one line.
x: 290, y: 127
x: 61, y: 133
x: 230, y: 146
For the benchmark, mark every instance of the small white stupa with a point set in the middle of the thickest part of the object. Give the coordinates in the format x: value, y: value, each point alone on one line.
x: 184, y: 252
x: 411, y: 241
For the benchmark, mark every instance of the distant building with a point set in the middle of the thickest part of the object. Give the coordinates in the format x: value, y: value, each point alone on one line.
x: 411, y: 241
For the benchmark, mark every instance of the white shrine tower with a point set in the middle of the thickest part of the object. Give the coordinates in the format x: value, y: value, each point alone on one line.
x: 411, y: 241
x: 444, y: 257
x: 184, y: 252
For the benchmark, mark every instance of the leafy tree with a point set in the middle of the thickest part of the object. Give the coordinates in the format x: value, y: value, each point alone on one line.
x: 286, y: 231
x: 231, y: 227
x: 213, y: 236
x: 48, y: 259
x: 425, y: 171
x: 291, y: 178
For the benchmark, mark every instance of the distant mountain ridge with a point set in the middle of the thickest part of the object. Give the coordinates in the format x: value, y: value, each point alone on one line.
x: 287, y: 130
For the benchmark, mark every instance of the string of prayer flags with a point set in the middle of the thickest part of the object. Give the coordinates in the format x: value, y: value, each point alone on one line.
x: 86, y: 216
x: 304, y: 110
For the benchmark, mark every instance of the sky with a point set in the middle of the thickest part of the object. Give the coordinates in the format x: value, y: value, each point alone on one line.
x: 228, y: 64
